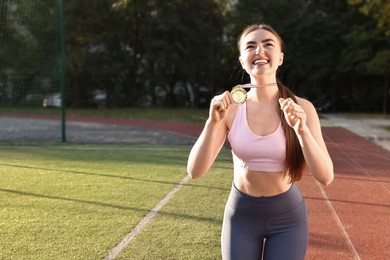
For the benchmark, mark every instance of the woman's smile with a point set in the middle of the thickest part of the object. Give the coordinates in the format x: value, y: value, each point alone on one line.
x: 260, y: 62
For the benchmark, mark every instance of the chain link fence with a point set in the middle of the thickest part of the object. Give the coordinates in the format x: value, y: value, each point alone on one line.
x: 31, y: 65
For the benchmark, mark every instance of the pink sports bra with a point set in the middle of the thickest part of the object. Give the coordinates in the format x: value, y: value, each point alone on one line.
x: 254, y: 152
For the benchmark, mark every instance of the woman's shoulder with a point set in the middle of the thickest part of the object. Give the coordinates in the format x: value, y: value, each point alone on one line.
x: 304, y: 103
x: 310, y: 110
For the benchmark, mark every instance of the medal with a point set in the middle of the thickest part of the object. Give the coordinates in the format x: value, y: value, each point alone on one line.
x: 239, y: 94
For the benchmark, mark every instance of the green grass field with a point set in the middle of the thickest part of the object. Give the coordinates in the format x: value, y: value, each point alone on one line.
x: 79, y: 201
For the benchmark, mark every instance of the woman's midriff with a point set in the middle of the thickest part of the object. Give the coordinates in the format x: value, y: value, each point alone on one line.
x: 258, y: 184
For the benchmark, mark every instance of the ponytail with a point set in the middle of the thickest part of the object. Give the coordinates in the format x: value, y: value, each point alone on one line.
x: 295, y: 161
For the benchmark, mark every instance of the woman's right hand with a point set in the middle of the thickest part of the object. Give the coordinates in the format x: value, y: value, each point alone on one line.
x: 219, y: 106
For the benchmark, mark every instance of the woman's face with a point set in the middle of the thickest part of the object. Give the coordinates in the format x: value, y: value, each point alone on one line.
x: 260, y: 53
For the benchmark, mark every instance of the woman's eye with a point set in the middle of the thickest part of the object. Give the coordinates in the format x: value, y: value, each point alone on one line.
x: 249, y: 47
x: 269, y: 45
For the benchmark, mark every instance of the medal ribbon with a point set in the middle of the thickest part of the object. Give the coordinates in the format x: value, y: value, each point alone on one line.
x: 255, y: 86
x: 239, y: 93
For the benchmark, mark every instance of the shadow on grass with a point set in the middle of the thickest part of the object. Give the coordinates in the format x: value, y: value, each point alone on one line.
x: 115, y: 176
x: 102, y: 204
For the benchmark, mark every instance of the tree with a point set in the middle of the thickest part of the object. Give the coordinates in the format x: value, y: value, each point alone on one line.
x: 189, y: 43
x: 171, y: 42
x: 29, y: 46
x: 375, y: 60
x: 380, y: 65
x: 378, y: 9
x: 97, y: 52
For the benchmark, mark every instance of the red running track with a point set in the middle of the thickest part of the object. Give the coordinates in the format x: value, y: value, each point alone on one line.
x: 350, y: 218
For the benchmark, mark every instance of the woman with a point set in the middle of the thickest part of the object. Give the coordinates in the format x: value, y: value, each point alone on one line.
x: 275, y: 138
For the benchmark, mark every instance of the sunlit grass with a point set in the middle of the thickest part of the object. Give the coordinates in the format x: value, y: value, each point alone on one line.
x: 79, y: 201
x: 189, y: 226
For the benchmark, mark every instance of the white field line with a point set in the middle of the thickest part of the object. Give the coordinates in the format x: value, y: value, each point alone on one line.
x: 339, y: 224
x: 141, y: 225
x: 333, y: 211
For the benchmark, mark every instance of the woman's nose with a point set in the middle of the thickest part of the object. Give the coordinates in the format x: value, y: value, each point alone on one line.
x: 259, y: 50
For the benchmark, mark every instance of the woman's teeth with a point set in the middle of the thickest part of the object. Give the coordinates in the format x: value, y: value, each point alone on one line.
x: 260, y: 62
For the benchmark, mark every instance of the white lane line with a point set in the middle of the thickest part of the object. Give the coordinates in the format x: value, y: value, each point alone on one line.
x: 338, y: 222
x: 141, y: 225
x: 333, y: 211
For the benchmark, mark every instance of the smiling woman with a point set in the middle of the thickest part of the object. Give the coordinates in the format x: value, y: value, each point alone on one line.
x: 275, y: 138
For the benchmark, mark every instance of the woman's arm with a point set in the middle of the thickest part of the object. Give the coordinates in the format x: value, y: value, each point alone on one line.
x: 206, y: 148
x: 304, y: 119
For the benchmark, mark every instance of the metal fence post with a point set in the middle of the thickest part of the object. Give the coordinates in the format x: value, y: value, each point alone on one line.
x: 63, y: 70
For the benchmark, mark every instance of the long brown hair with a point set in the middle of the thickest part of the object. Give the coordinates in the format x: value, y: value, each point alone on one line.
x: 295, y: 162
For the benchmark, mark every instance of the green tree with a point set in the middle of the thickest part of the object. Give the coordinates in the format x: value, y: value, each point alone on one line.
x: 91, y: 63
x: 189, y: 44
x: 380, y: 65
x: 378, y: 9
x: 369, y: 48
x: 29, y: 47
x: 169, y: 42
x: 135, y: 18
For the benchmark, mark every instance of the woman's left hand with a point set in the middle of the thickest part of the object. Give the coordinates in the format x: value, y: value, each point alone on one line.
x: 294, y: 114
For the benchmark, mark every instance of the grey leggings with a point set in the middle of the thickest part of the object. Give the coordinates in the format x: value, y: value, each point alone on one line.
x: 272, y: 227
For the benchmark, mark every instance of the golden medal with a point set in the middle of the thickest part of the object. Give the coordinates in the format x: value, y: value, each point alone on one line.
x: 239, y: 95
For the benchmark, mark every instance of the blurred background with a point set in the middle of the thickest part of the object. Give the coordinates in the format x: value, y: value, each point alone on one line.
x: 178, y: 54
